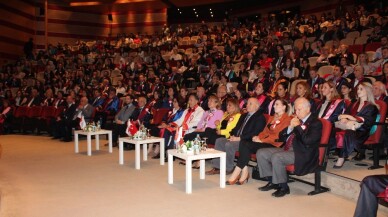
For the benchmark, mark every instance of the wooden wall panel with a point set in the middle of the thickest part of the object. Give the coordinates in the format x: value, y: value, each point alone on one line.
x: 17, y: 26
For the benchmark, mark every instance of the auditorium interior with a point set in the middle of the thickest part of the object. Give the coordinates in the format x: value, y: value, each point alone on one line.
x: 110, y: 106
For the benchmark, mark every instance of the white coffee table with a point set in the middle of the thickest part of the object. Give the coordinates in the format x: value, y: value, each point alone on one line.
x: 137, y: 144
x: 89, y: 139
x: 208, y: 154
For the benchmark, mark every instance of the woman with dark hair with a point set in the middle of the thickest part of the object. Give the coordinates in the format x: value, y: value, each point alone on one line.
x: 304, y: 70
x: 348, y: 70
x: 288, y: 70
x: 166, y: 128
x: 262, y: 97
x: 167, y: 101
x: 347, y: 93
x: 241, y: 96
x: 157, y: 101
x: 306, y: 51
x: 281, y: 93
x: 266, y: 139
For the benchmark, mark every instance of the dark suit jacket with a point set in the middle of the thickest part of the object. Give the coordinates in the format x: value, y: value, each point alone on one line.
x: 306, y: 145
x: 36, y: 101
x: 68, y: 112
x: 253, y: 127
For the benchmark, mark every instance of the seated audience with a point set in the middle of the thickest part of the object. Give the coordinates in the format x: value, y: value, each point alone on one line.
x: 249, y: 125
x: 266, y: 139
x: 208, y: 120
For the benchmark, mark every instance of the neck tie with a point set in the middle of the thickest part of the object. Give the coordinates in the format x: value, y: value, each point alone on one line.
x: 245, y: 122
x: 289, y: 141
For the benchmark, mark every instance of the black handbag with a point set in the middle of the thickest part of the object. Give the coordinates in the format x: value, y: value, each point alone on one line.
x: 256, y: 174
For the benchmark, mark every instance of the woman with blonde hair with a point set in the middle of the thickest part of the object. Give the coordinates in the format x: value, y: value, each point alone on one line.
x: 209, y: 118
x: 330, y: 107
x: 363, y: 113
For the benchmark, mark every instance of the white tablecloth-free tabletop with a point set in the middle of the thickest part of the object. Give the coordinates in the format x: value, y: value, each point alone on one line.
x: 189, y: 158
x: 89, y: 139
x: 137, y: 143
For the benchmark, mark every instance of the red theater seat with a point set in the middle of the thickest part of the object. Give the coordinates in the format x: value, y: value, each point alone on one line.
x: 374, y: 141
x: 326, y: 131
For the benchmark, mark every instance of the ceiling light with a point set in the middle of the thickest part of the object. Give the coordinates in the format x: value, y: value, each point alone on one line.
x: 84, y: 3
x: 197, y: 15
x: 210, y: 9
x: 212, y: 15
x: 193, y: 9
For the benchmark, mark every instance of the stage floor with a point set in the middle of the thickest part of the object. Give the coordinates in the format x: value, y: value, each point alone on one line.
x: 45, y: 178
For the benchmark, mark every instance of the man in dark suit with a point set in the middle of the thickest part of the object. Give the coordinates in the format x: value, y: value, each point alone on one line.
x: 59, y: 100
x: 202, y: 98
x: 83, y: 109
x: 359, y: 77
x: 279, y: 61
x: 142, y: 113
x: 250, y: 124
x: 61, y: 121
x: 367, y: 202
x: 315, y: 81
x: 121, y: 119
x: 34, y: 99
x: 249, y: 62
x: 301, y: 149
x: 337, y: 77
x: 141, y: 87
x: 98, y: 100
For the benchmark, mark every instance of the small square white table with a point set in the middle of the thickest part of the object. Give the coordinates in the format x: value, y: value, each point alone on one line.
x: 137, y: 143
x: 208, y: 154
x: 89, y: 139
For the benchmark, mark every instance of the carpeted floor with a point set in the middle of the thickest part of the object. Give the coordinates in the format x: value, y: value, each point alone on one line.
x: 40, y: 177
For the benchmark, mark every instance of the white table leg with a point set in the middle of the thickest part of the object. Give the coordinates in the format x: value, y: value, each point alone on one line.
x: 89, y: 144
x: 162, y: 154
x: 110, y: 141
x: 145, y: 152
x: 188, y: 176
x: 76, y: 143
x: 121, y: 152
x: 97, y: 142
x: 137, y: 156
x: 170, y: 169
x: 202, y: 169
x: 222, y: 170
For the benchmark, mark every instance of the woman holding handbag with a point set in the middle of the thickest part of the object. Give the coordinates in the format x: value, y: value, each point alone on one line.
x: 356, y: 124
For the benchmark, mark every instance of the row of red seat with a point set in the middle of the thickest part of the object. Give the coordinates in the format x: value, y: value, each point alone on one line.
x: 360, y: 48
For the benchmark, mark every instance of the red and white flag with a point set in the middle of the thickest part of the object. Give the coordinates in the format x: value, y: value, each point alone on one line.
x: 131, y: 128
x: 82, y: 122
x: 179, y: 136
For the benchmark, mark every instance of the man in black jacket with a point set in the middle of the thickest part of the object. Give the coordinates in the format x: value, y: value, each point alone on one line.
x: 301, y: 148
x: 250, y: 124
x: 59, y: 129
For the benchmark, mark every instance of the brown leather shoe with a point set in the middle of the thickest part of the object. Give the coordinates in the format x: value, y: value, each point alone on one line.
x: 213, y: 171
